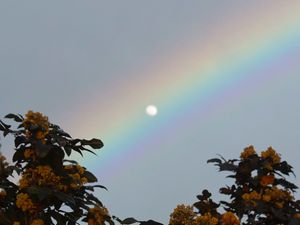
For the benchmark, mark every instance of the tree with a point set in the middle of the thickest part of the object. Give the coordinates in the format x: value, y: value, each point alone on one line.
x: 51, y: 189
x: 55, y: 190
x: 260, y: 194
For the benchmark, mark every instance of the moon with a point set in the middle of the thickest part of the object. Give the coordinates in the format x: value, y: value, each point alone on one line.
x: 151, y: 110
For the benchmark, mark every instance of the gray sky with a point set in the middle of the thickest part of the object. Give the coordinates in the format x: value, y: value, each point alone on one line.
x: 102, y: 62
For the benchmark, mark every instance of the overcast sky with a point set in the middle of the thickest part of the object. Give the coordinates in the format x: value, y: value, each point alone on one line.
x: 93, y: 67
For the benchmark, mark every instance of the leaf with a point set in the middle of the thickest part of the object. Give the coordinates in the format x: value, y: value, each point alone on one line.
x: 19, y: 140
x: 20, y: 125
x: 57, y: 204
x: 278, y: 213
x: 15, y: 117
x: 64, y: 197
x: 85, y: 149
x: 41, y: 149
x: 91, y: 178
x: 41, y: 192
x: 214, y: 160
x: 129, y: 220
x: 91, y: 187
x: 75, y: 141
x: 227, y: 167
x: 77, y: 150
x: 63, y: 134
x: 150, y: 222
x: 5, y: 125
x: 75, y: 215
x: 60, y: 219
x: 2, y: 127
x: 206, y: 194
x: 100, y: 186
x: 68, y: 150
x: 4, y: 219
x: 91, y: 197
x: 285, y: 168
x: 94, y: 143
x: 70, y: 161
x: 11, y: 169
x: 286, y: 184
x: 294, y: 221
x: 225, y: 190
x: 18, y: 156
x: 6, y: 132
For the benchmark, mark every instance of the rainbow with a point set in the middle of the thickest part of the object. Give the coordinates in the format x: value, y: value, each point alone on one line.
x: 189, y: 79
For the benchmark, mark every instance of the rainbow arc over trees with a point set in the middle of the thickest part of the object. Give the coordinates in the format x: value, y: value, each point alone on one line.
x: 239, y: 55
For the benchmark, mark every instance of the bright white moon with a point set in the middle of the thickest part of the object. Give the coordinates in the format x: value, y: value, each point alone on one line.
x: 151, y: 110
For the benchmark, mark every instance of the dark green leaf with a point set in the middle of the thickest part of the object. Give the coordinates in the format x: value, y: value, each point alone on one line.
x: 214, y: 160
x: 6, y: 132
x: 286, y: 184
x: 78, y: 150
x: 41, y: 192
x: 15, y: 117
x: 64, y: 197
x: 294, y: 221
x: 227, y: 167
x: 225, y: 191
x: 18, y: 156
x: 60, y: 219
x: 41, y: 149
x: 150, y: 222
x: 68, y: 150
x: 4, y: 219
x: 93, y: 198
x: 129, y: 220
x: 4, y: 125
x: 94, y: 143
x: 91, y: 178
x: 70, y: 161
x: 206, y: 193
x: 19, y: 140
x: 100, y: 186
x: 85, y: 149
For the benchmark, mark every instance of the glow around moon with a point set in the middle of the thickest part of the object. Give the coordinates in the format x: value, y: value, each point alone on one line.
x: 151, y: 110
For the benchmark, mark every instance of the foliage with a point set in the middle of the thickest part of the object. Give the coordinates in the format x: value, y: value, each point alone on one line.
x: 51, y: 189
x: 55, y: 190
x: 260, y: 195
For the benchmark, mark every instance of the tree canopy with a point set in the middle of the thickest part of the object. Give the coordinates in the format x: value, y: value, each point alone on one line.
x: 52, y: 189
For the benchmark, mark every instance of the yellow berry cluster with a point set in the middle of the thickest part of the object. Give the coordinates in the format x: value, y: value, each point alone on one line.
x: 249, y: 151
x: 24, y: 202
x: 266, y: 180
x: 271, y: 154
x: 206, y: 219
x: 182, y: 215
x: 29, y: 154
x: 39, y: 120
x: 278, y: 196
x: 2, y: 193
x: 274, y: 194
x: 97, y: 216
x: 37, y: 222
x: 253, y: 195
x: 3, y: 163
x: 229, y: 218
x: 34, y: 222
x: 252, y: 198
x: 41, y: 175
x: 76, y: 173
